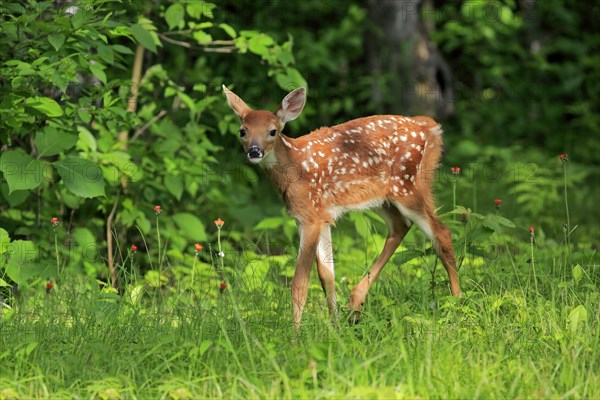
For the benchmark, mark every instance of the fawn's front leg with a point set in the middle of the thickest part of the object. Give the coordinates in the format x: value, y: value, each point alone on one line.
x: 309, y: 237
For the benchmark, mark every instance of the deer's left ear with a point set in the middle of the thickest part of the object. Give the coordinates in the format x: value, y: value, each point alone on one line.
x: 291, y: 106
x: 236, y: 103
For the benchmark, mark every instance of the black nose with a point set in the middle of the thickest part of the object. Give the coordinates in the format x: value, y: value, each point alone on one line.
x: 255, y: 152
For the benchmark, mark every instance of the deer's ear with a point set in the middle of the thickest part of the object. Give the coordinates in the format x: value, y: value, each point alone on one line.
x: 291, y: 106
x: 236, y: 103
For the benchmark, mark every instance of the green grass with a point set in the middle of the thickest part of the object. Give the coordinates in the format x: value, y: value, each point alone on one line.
x: 503, y: 339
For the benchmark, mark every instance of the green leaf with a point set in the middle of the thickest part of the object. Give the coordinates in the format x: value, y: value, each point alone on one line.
x: 174, y: 16
x: 121, y: 49
x: 46, y: 105
x: 84, y: 115
x: 577, y: 317
x: 270, y: 223
x: 4, y: 241
x: 259, y: 44
x: 15, y: 198
x: 21, y: 264
x: 86, y: 141
x: 491, y: 224
x: 202, y: 37
x: 577, y: 273
x: 174, y: 185
x: 60, y: 81
x: 204, y: 346
x: 85, y: 243
x: 56, y: 40
x: 143, y: 37
x: 362, y: 225
x: 190, y: 226
x: 228, y: 30
x: 501, y: 220
x: 196, y: 9
x: 21, y: 171
x: 50, y: 141
x: 80, y: 18
x: 98, y: 70
x: 82, y: 177
x: 291, y: 79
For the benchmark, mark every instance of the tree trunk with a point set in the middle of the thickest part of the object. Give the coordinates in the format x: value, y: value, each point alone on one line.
x: 410, y: 75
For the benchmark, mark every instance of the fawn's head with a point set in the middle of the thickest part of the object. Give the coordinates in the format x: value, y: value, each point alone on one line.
x: 260, y: 129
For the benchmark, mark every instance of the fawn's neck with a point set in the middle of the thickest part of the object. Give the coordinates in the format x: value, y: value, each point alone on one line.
x: 279, y: 165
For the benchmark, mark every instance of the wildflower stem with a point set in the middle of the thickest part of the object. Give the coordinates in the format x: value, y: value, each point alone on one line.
x: 56, y: 252
x: 132, y: 267
x: 220, y: 249
x: 465, y: 245
x: 567, y: 230
x: 158, y: 238
x: 454, y: 198
x: 474, y: 195
x: 533, y: 263
x: 193, y: 275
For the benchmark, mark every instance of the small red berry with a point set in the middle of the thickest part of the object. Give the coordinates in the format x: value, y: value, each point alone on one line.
x: 219, y: 223
x: 49, y: 286
x: 133, y: 248
x: 198, y: 247
x: 157, y: 210
x: 564, y: 157
x: 223, y: 286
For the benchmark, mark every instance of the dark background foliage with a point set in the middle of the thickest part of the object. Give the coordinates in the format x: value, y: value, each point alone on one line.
x: 515, y: 84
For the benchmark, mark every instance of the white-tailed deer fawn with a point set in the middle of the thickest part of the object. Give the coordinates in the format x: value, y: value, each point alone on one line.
x: 386, y: 162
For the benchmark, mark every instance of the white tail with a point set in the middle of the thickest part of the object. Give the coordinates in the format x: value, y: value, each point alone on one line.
x: 385, y: 162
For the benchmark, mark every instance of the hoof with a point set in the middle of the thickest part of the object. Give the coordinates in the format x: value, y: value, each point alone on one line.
x: 354, y: 317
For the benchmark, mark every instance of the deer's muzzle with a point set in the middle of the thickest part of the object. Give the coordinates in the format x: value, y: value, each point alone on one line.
x: 255, y: 154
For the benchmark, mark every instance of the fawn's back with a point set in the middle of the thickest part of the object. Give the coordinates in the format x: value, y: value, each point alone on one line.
x: 360, y: 164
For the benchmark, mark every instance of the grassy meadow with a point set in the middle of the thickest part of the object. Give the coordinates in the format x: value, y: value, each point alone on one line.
x: 522, y: 329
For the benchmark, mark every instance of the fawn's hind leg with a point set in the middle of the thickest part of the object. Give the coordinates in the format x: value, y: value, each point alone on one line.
x: 428, y: 222
x: 397, y: 229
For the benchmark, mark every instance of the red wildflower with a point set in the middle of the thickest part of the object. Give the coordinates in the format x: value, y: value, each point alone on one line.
x: 157, y: 210
x: 49, y: 286
x: 455, y: 171
x: 55, y: 221
x: 198, y: 247
x: 531, y: 230
x: 219, y: 223
x: 498, y: 203
x: 133, y: 248
x: 564, y: 157
x: 223, y: 286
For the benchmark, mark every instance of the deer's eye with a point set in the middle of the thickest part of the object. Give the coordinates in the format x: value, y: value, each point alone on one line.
x: 242, y: 132
x: 273, y: 132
